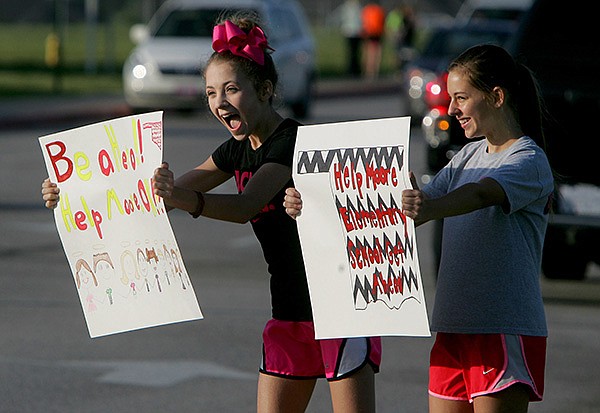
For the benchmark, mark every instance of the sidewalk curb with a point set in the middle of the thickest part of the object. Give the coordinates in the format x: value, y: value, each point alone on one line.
x: 356, y: 87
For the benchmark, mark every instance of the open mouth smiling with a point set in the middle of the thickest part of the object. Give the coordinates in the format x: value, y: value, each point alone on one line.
x: 232, y: 120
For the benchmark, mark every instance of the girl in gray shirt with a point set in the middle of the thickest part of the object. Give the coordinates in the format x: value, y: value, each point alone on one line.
x: 494, y: 197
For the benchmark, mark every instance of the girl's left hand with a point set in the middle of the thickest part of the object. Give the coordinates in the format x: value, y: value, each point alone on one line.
x: 412, y: 199
x: 163, y: 181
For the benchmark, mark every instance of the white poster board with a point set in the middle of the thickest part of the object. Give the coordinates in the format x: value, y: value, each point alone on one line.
x: 359, y: 249
x: 127, y: 267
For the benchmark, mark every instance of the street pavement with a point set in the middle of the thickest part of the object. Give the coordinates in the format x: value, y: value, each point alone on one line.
x: 572, y: 309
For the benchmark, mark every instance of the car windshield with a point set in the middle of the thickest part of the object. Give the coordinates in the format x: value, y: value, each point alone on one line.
x: 452, y: 43
x: 501, y: 14
x: 189, y: 23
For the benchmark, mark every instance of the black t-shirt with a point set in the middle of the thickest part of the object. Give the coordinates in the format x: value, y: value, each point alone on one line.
x: 275, y: 230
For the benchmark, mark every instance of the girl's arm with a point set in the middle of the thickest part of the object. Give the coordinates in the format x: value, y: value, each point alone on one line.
x: 203, y: 178
x: 467, y: 198
x: 259, y: 191
x: 181, y: 192
x: 263, y: 186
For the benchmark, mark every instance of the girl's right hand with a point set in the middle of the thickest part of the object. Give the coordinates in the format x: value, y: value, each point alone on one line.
x: 292, y: 202
x: 50, y: 193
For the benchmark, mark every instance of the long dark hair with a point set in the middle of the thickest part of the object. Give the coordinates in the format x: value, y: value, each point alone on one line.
x: 489, y: 66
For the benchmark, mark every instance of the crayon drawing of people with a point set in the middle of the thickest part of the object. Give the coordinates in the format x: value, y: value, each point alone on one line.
x: 166, y: 263
x: 143, y: 267
x: 84, y: 278
x: 153, y: 263
x: 129, y: 271
x: 105, y: 269
x: 178, y: 269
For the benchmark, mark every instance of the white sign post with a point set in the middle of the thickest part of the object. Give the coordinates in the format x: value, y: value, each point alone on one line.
x: 359, y: 248
x: 125, y: 261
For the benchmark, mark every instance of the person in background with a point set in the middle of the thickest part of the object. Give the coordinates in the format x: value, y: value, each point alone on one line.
x: 400, y: 28
x: 373, y: 30
x: 241, y: 80
x: 407, y: 38
x: 393, y: 31
x: 349, y: 16
x: 494, y: 195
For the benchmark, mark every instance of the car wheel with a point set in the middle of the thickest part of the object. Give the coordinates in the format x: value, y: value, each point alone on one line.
x: 561, y: 259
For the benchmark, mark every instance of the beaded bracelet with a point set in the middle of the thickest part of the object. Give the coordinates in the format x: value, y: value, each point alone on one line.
x: 200, y: 206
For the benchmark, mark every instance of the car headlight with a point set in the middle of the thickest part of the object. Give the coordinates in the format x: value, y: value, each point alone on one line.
x: 139, y: 65
x: 139, y: 71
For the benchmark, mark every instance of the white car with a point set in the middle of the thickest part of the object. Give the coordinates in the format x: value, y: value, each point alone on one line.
x: 165, y: 69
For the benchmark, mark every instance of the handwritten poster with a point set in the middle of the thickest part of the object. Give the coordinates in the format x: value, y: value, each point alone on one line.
x: 359, y: 248
x: 127, y: 267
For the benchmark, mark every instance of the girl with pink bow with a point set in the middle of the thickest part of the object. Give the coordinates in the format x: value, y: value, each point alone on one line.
x: 240, y: 84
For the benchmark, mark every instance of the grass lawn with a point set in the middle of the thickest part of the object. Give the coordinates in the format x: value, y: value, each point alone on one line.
x: 23, y: 68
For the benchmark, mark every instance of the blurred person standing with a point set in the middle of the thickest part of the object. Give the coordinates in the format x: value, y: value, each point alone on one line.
x: 407, y: 36
x: 400, y: 26
x: 373, y: 29
x: 350, y: 22
x: 393, y: 25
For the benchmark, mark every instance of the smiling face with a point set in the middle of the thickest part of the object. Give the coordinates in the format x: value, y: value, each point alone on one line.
x: 86, y: 278
x: 471, y: 107
x: 233, y: 99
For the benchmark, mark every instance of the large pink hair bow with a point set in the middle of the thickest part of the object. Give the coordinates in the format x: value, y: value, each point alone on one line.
x: 251, y: 45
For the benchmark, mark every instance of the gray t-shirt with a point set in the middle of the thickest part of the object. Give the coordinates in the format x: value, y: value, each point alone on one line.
x: 489, y: 273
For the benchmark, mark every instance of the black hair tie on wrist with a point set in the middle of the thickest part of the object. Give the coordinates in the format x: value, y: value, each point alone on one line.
x: 200, y: 206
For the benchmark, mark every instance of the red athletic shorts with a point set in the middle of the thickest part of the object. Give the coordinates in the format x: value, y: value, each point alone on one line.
x: 464, y: 366
x: 290, y: 350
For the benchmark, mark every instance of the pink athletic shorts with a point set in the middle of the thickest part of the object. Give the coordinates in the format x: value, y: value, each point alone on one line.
x: 464, y: 366
x: 290, y: 350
